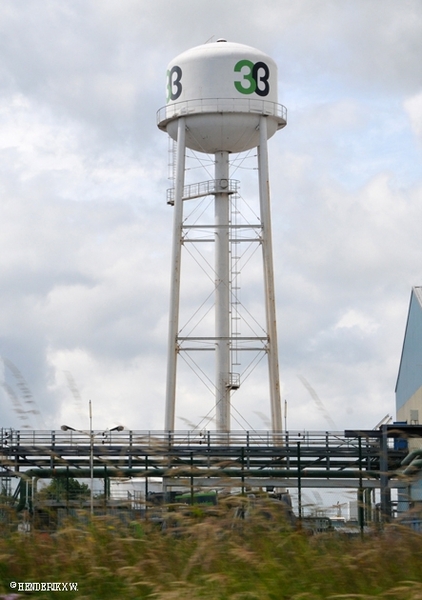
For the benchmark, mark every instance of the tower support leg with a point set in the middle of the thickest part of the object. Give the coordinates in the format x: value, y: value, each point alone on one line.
x: 172, y: 346
x: 222, y: 292
x: 267, y: 251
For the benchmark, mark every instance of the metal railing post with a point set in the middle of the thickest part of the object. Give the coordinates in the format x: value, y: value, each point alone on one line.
x: 299, y: 483
x: 361, y: 515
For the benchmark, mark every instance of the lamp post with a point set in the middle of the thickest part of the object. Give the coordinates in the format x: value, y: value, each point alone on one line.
x: 91, y: 435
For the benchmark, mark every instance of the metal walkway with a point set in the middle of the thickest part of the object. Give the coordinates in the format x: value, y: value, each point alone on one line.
x: 349, y: 459
x: 259, y: 455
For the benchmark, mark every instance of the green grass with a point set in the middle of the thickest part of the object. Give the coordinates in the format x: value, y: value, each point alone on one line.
x: 214, y: 558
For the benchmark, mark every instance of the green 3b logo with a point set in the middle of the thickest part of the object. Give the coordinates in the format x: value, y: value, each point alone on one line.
x: 255, y: 79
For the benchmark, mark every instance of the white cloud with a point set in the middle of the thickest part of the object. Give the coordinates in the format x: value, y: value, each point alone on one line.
x: 85, y: 233
x: 413, y: 107
x: 353, y: 318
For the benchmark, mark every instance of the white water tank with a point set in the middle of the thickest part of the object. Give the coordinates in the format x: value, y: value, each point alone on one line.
x: 221, y: 89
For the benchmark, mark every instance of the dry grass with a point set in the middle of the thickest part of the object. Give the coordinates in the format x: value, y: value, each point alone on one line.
x: 215, y: 558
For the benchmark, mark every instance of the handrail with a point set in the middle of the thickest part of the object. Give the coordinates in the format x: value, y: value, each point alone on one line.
x: 205, y: 188
x: 41, y: 438
x: 221, y: 105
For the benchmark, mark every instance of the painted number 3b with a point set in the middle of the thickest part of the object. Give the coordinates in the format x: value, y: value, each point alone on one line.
x: 255, y: 77
x: 174, y: 83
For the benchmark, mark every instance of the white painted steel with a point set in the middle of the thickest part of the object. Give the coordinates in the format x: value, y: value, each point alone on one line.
x: 231, y: 132
x: 264, y: 198
x: 222, y: 98
x: 220, y: 105
x: 222, y: 89
x: 222, y: 294
x: 208, y: 71
x: 175, y: 280
x: 229, y: 124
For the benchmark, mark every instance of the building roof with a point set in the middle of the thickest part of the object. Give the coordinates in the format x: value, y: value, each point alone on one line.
x: 418, y: 293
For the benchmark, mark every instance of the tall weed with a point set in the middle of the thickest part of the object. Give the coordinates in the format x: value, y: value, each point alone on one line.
x: 196, y: 555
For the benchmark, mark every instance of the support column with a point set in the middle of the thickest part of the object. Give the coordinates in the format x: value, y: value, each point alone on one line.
x: 222, y: 293
x: 172, y: 347
x: 384, y: 479
x: 267, y: 251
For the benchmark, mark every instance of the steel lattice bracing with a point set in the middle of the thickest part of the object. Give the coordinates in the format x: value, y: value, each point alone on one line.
x: 193, y: 228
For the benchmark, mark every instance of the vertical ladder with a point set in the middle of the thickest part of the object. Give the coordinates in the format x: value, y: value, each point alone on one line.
x: 171, y: 161
x: 171, y: 168
x: 234, y: 290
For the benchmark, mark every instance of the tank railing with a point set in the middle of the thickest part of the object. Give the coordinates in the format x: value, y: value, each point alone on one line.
x: 205, y: 188
x: 221, y: 105
x: 10, y: 438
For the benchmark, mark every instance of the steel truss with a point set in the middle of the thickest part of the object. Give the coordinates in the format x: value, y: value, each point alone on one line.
x: 327, y: 459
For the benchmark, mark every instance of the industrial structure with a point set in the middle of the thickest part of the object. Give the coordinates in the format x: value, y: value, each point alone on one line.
x: 409, y: 379
x: 221, y: 100
x: 359, y: 460
x: 409, y: 396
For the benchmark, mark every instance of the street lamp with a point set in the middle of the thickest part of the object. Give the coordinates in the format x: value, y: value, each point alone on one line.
x: 91, y: 435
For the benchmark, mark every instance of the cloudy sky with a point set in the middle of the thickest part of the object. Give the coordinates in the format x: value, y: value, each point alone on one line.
x: 85, y: 231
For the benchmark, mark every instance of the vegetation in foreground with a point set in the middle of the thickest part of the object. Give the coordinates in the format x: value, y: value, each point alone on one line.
x: 215, y: 556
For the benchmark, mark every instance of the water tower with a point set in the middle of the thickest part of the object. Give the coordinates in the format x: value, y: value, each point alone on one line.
x: 222, y: 100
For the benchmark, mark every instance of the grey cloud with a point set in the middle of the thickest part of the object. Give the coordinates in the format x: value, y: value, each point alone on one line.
x: 85, y: 233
